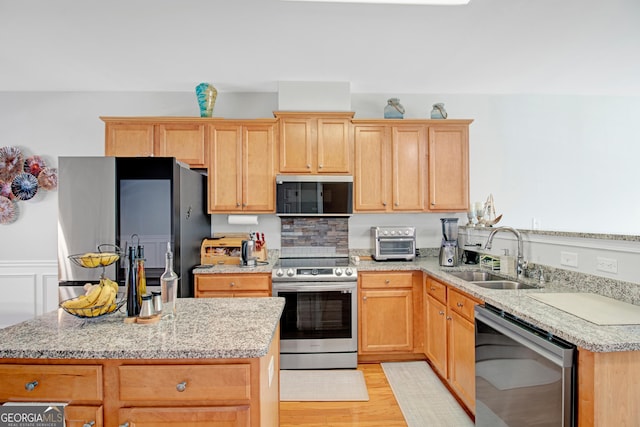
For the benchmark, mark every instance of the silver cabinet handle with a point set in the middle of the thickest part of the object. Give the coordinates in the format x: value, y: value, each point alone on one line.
x: 441, y: 313
x: 396, y: 203
x: 31, y: 386
x: 124, y: 425
x: 459, y: 304
x: 448, y: 317
x: 387, y: 281
x: 181, y: 386
x: 89, y: 424
x: 384, y: 203
x: 433, y: 289
x: 232, y: 284
x: 320, y: 166
x: 308, y: 166
x: 364, y: 298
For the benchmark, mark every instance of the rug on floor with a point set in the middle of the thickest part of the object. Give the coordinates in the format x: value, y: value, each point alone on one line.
x: 423, y: 399
x: 323, y: 385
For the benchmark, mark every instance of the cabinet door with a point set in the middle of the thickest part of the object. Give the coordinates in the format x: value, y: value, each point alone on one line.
x: 386, y: 321
x: 258, y: 169
x: 81, y: 416
x: 448, y: 168
x: 129, y: 140
x: 334, y: 146
x: 296, y: 145
x: 224, y: 416
x: 185, y: 142
x: 436, y: 330
x: 372, y: 169
x: 462, y: 372
x: 225, y: 169
x: 408, y: 145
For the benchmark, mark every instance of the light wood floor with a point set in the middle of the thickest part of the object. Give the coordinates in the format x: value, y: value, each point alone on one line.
x: 381, y: 410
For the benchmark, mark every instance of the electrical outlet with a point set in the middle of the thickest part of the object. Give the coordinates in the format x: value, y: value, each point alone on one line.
x: 608, y: 265
x: 570, y: 259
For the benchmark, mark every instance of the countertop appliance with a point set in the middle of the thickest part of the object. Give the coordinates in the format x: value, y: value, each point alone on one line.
x: 525, y: 376
x: 449, y: 256
x: 393, y: 243
x: 105, y: 200
x: 314, y: 195
x: 318, y: 328
x: 246, y: 253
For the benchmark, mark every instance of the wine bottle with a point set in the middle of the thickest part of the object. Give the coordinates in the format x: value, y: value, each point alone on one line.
x: 169, y: 286
x: 133, y: 306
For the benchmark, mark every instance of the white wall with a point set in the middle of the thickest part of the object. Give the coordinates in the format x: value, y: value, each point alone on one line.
x: 567, y: 160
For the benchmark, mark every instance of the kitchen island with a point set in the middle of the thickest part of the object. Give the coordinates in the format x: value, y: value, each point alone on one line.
x: 216, y: 362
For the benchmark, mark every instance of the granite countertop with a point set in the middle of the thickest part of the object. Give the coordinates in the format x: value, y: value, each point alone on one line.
x: 207, y: 328
x: 580, y: 332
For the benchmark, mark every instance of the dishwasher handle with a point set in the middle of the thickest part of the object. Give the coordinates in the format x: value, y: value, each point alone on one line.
x: 552, y: 351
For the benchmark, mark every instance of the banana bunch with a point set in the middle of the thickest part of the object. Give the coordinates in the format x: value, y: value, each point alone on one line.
x: 96, y: 259
x: 98, y: 299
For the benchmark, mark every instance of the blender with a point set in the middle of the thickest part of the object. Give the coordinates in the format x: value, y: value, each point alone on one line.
x: 449, y: 248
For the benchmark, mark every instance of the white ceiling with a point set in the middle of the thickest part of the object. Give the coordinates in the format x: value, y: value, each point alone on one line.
x: 489, y: 46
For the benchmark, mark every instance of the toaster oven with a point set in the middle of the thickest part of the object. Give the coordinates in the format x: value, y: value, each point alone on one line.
x: 393, y: 243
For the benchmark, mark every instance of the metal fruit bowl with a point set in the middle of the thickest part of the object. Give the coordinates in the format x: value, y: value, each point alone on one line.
x: 93, y: 312
x: 107, y: 254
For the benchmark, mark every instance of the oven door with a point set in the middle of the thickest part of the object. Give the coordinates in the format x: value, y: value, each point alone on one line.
x: 396, y: 248
x: 318, y: 317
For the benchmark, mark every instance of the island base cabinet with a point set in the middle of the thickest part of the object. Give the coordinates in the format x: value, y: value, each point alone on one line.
x: 225, y: 416
x: 81, y: 416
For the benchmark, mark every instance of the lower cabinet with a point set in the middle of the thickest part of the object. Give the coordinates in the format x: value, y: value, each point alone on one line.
x: 387, y: 312
x: 450, y: 337
x: 232, y: 285
x: 81, y: 416
x: 226, y: 416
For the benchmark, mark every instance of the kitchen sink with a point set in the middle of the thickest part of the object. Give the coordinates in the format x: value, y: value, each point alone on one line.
x: 475, y: 276
x: 502, y: 284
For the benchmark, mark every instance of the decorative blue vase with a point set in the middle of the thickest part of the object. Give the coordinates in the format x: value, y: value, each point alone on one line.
x: 207, y: 95
x: 438, y: 111
x: 393, y: 109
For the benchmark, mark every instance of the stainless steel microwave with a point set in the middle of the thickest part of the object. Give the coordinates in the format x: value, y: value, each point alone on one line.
x: 314, y: 195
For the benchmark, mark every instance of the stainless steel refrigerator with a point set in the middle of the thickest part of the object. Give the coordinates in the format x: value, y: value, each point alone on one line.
x: 108, y: 200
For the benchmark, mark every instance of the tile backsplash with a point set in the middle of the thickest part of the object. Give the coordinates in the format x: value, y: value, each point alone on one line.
x: 314, y: 236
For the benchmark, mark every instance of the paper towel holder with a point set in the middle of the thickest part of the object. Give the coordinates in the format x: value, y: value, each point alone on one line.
x: 242, y: 219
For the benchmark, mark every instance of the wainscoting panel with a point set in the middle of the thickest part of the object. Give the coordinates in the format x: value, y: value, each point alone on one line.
x: 28, y: 289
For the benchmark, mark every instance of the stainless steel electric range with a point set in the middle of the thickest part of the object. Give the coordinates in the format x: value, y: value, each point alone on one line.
x: 318, y: 328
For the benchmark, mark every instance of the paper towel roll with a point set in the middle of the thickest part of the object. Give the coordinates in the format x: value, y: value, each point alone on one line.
x: 243, y: 219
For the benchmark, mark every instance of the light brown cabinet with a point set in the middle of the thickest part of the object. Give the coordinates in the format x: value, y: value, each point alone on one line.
x: 315, y: 143
x: 448, y: 168
x: 232, y: 285
x: 390, y: 167
x: 182, y: 138
x: 399, y: 166
x: 450, y: 337
x: 242, y: 167
x: 387, y: 313
x: 149, y: 393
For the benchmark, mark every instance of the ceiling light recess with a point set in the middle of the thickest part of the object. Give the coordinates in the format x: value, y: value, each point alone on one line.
x: 416, y: 2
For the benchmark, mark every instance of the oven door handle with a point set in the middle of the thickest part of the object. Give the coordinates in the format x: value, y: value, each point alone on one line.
x: 395, y: 239
x: 315, y: 287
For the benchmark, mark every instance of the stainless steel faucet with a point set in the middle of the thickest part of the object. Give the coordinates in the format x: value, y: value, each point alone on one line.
x: 522, y: 264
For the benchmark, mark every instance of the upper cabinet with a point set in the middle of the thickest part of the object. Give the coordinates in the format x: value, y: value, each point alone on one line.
x: 411, y: 165
x: 448, y: 168
x: 242, y: 167
x: 315, y: 143
x: 390, y: 164
x: 183, y: 138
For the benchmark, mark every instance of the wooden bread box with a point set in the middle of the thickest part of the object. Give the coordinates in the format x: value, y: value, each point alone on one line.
x: 227, y: 249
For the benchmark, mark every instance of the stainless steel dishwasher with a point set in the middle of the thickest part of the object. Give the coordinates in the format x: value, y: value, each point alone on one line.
x: 525, y: 376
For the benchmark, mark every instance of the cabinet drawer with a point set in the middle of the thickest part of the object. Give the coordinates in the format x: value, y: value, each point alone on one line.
x: 80, y: 416
x: 437, y: 290
x: 247, y: 282
x: 183, y: 383
x: 65, y: 383
x: 387, y: 280
x: 461, y: 304
x: 226, y: 416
